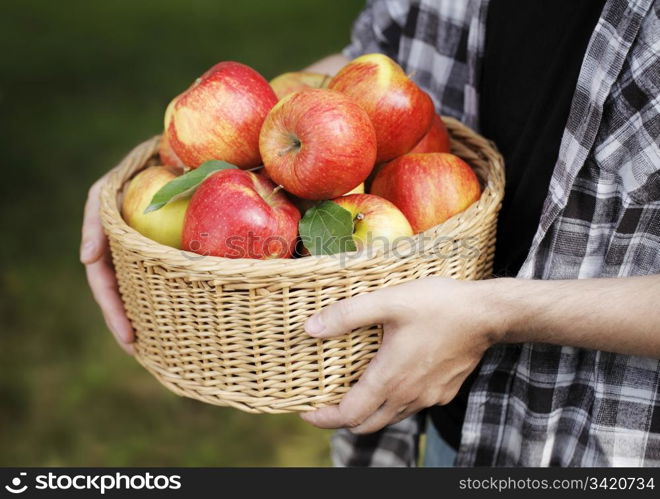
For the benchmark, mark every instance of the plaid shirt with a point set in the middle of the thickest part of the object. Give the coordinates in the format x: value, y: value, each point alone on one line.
x: 538, y: 404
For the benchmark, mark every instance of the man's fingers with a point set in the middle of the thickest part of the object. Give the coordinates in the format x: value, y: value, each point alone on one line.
x: 411, y: 410
x: 94, y: 243
x: 384, y: 416
x: 365, y: 398
x: 102, y: 281
x: 342, y: 317
x: 100, y: 274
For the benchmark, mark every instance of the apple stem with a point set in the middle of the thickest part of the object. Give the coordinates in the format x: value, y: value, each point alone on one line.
x: 295, y: 144
x: 325, y: 81
x: 412, y: 74
x: 359, y: 216
x: 276, y: 189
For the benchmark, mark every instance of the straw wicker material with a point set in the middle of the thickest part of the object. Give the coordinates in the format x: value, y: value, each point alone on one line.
x: 230, y: 332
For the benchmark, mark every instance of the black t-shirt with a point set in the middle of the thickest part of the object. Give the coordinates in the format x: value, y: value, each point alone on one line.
x: 532, y: 58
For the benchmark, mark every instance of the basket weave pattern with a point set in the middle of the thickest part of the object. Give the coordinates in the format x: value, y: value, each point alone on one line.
x: 230, y: 332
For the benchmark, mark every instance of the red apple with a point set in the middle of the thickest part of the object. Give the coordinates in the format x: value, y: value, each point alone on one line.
x: 240, y: 214
x: 436, y: 139
x: 427, y: 188
x: 376, y: 221
x: 220, y: 116
x: 167, y: 155
x: 318, y: 144
x: 288, y: 83
x: 400, y: 111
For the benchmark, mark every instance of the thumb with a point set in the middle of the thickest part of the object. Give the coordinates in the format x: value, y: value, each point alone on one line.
x: 343, y: 316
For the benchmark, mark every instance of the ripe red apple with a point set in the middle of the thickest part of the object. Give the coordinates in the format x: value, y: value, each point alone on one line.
x: 288, y: 83
x: 318, y: 144
x: 436, y: 139
x: 428, y: 188
x: 376, y: 221
x: 220, y: 116
x: 167, y: 155
x: 240, y: 214
x: 400, y: 111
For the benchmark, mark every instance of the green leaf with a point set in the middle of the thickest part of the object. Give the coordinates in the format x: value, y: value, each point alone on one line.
x: 327, y: 229
x: 186, y: 184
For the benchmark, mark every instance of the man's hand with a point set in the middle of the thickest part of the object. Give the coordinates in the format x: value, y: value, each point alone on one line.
x: 95, y: 254
x: 435, y: 332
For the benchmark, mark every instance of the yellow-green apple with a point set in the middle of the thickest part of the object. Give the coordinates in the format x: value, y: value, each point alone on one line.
x: 400, y: 111
x: 428, y: 188
x: 164, y: 225
x: 220, y: 116
x: 288, y: 83
x: 436, y: 139
x: 240, y: 214
x: 318, y: 144
x: 358, y: 190
x: 167, y: 155
x: 376, y: 221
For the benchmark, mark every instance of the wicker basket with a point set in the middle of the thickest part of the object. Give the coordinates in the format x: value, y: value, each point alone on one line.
x: 230, y: 332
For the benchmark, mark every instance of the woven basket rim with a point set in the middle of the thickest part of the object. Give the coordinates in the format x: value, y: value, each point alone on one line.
x: 488, y: 203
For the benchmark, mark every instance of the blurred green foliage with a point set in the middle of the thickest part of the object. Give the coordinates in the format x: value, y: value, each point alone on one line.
x: 81, y: 82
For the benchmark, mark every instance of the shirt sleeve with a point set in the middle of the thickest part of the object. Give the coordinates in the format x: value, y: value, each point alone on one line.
x: 378, y: 28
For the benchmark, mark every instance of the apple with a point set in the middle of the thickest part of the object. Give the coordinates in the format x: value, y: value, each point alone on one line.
x: 164, y: 225
x: 428, y: 188
x: 358, y: 190
x: 376, y: 221
x: 305, y: 204
x: 318, y: 144
x: 436, y: 139
x: 220, y: 116
x: 167, y: 155
x: 400, y: 111
x: 288, y: 83
x: 240, y: 214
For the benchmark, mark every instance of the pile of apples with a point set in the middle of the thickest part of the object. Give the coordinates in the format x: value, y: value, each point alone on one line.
x: 292, y: 145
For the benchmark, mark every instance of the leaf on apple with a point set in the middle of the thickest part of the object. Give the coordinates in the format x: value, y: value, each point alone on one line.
x: 184, y: 185
x: 327, y: 229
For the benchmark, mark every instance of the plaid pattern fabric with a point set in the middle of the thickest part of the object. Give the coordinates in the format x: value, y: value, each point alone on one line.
x: 536, y: 404
x: 395, y: 445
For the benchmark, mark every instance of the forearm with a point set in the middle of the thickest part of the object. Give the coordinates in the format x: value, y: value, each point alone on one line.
x: 618, y: 315
x: 328, y: 65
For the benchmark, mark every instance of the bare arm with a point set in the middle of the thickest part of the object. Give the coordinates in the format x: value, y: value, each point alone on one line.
x: 436, y: 331
x: 615, y: 315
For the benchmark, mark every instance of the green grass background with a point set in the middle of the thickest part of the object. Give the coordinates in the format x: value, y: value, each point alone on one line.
x: 81, y: 82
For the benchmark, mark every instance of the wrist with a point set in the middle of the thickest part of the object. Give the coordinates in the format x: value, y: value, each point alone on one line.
x: 504, y: 300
